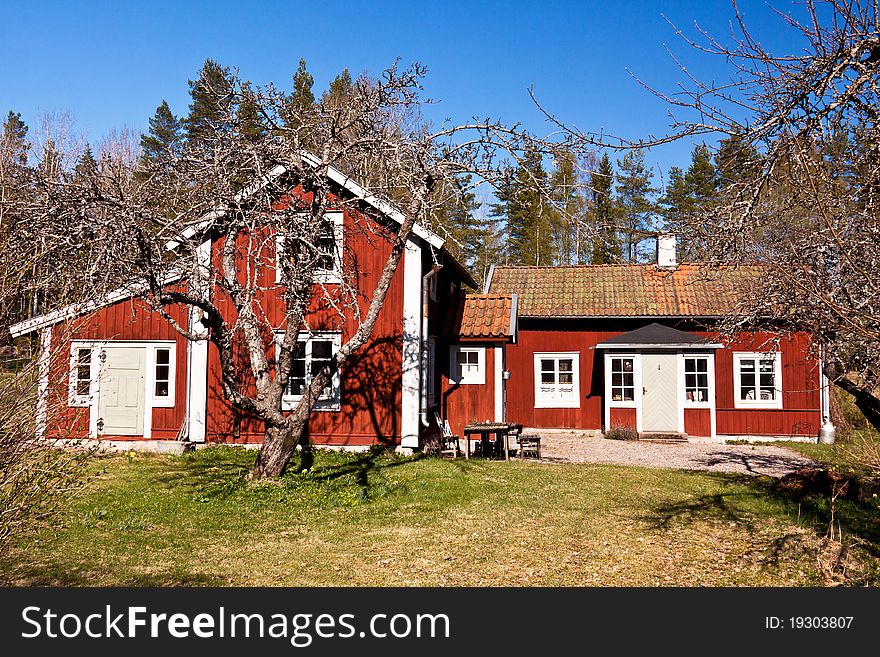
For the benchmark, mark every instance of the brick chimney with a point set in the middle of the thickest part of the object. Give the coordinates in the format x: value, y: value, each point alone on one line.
x: 666, y: 251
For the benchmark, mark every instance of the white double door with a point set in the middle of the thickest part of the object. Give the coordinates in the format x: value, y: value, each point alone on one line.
x: 121, y: 394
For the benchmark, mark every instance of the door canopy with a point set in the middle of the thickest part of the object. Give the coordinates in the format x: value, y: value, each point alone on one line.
x: 658, y: 336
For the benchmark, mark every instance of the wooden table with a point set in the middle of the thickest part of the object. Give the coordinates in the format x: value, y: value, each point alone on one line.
x: 501, y: 430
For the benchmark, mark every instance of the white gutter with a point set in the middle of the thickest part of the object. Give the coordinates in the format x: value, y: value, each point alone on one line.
x: 426, y: 281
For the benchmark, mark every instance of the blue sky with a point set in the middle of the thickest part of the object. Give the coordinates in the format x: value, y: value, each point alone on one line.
x: 110, y: 63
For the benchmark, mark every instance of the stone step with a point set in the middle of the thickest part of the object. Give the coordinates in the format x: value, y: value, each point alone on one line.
x: 671, y: 438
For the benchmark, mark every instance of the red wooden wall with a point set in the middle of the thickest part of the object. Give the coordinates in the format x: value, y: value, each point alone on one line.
x: 800, y: 414
x: 623, y: 417
x: 461, y: 404
x: 132, y: 320
x: 370, y: 381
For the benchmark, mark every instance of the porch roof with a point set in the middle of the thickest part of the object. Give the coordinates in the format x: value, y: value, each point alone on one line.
x: 485, y: 316
x: 658, y: 336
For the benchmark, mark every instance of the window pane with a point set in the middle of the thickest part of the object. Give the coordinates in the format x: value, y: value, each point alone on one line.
x: 161, y: 388
x: 162, y: 356
x: 322, y: 349
x: 628, y: 394
x: 703, y: 381
x: 296, y: 385
x: 548, y: 377
x: 627, y: 364
x: 628, y: 380
x: 566, y: 378
x: 747, y: 365
x: 84, y: 356
x: 747, y: 393
x: 702, y: 365
x: 565, y: 365
x: 82, y: 387
x: 162, y: 372
x: 548, y: 365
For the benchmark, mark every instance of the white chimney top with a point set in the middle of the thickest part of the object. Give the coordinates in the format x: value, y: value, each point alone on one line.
x: 666, y: 251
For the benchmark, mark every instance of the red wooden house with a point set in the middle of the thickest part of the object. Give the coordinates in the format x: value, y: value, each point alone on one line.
x: 595, y: 347
x: 122, y: 373
x: 586, y: 348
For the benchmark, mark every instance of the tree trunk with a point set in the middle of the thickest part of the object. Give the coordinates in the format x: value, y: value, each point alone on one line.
x: 865, y: 401
x: 277, y: 449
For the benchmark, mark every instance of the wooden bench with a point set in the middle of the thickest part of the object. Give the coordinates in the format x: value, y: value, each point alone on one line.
x: 529, y: 446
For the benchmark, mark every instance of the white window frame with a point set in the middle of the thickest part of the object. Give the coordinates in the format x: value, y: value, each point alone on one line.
x: 541, y: 400
x: 322, y: 276
x: 455, y: 375
x: 331, y: 398
x: 710, y: 384
x: 738, y: 357
x: 157, y: 401
x: 73, y: 398
x: 637, y: 380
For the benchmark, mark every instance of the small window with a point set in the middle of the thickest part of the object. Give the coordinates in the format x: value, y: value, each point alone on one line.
x: 329, y: 245
x: 757, y: 380
x: 163, y: 373
x: 311, y: 355
x: 557, y: 380
x: 696, y: 379
x: 623, y: 387
x: 468, y: 365
x: 80, y: 376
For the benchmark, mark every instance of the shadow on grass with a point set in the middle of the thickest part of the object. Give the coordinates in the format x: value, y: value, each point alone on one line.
x: 748, y: 501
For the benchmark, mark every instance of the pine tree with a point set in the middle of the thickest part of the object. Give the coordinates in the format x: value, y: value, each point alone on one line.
x: 86, y: 169
x: 211, y: 108
x: 163, y: 140
x: 13, y: 141
x: 606, y: 246
x: 736, y: 160
x: 568, y: 204
x: 301, y: 100
x: 529, y: 218
x: 338, y: 90
x: 634, y: 191
x: 249, y: 122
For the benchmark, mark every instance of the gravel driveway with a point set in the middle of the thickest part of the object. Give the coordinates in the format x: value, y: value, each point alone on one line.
x: 747, y: 459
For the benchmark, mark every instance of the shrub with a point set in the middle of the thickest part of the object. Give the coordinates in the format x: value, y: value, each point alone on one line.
x: 622, y: 433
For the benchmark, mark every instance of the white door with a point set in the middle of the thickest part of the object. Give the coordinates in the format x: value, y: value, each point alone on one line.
x: 660, y: 392
x: 121, y: 392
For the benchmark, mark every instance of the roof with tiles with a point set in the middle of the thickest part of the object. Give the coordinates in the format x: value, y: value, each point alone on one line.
x: 689, y: 290
x: 488, y: 316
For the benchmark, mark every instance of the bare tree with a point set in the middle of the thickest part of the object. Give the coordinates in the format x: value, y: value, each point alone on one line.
x: 801, y: 194
x: 258, y: 185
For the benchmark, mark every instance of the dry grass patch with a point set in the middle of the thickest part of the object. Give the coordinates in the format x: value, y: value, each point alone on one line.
x: 380, y: 520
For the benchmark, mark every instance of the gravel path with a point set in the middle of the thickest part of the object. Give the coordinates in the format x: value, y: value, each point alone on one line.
x: 713, y: 457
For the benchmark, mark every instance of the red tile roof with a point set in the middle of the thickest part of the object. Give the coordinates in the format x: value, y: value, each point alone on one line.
x: 689, y: 290
x: 486, y: 316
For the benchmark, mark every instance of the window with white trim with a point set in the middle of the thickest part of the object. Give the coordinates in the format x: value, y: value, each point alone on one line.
x: 757, y: 380
x: 623, y: 386
x: 81, y: 375
x: 162, y: 362
x: 329, y: 244
x: 557, y: 382
x: 468, y: 365
x: 312, y: 353
x: 696, y: 380
x: 162, y: 380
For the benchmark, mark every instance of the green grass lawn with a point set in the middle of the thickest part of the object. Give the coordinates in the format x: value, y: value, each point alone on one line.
x: 378, y: 519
